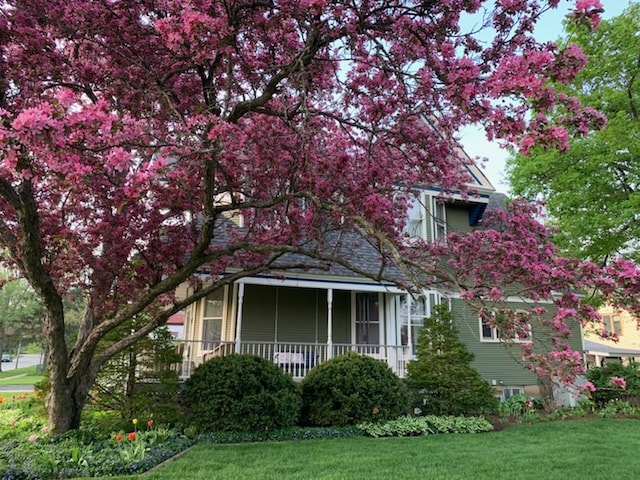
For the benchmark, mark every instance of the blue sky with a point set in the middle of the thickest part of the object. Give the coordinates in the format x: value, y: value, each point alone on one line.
x: 549, y: 28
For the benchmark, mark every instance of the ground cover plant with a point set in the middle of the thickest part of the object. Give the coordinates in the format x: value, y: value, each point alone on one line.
x: 408, y: 426
x: 105, y: 447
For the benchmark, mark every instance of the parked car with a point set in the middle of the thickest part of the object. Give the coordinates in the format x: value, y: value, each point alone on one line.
x: 6, y: 358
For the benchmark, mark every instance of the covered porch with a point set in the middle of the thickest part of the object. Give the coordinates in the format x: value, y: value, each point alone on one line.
x: 295, y: 359
x: 299, y: 323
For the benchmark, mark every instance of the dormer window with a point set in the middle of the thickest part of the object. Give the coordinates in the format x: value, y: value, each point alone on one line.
x: 439, y: 219
x: 415, y: 224
x: 426, y: 218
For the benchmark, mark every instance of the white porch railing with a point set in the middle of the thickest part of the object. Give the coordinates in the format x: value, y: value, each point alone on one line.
x: 295, y: 359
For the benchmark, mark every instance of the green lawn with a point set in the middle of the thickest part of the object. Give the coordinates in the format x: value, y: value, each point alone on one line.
x: 20, y: 376
x: 593, y: 449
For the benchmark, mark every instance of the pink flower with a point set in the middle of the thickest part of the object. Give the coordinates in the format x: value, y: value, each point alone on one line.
x: 588, y: 386
x: 618, y: 382
x: 33, y: 438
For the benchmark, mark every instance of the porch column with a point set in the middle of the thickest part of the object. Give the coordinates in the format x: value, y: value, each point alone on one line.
x: 239, y: 317
x: 409, y: 329
x: 329, y: 323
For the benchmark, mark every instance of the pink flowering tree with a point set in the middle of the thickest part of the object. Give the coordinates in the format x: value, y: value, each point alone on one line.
x: 513, y: 258
x: 136, y: 137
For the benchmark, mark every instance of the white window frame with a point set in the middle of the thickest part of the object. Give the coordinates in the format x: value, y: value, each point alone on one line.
x: 610, y: 320
x: 416, y: 226
x: 379, y: 322
x: 438, y: 219
x: 494, y: 338
x: 204, y: 318
x: 508, y: 392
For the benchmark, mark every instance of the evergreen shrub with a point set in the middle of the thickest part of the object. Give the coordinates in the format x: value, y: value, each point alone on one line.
x: 350, y: 389
x: 240, y: 393
x: 442, y: 378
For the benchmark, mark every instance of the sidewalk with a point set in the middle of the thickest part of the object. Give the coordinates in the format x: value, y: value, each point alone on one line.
x: 16, y: 388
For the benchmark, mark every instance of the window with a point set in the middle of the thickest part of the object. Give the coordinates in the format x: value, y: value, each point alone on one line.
x: 212, y: 319
x: 426, y: 217
x: 508, y: 392
x: 413, y: 311
x: 488, y: 333
x: 439, y: 219
x: 519, y: 328
x: 367, y: 319
x: 414, y: 226
x: 612, y: 323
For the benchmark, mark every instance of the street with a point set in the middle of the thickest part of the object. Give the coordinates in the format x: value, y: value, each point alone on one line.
x: 24, y: 361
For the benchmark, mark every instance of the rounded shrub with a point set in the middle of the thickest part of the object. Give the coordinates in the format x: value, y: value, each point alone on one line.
x: 351, y: 389
x: 240, y: 393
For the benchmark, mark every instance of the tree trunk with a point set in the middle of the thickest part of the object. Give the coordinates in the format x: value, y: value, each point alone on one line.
x: 546, y: 393
x: 66, y: 399
x: 69, y: 378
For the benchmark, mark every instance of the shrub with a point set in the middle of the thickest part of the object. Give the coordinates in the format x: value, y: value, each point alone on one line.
x: 408, y: 426
x: 351, y: 389
x: 517, y: 405
x: 241, y: 393
x: 442, y: 378
x: 606, y: 390
x: 140, y: 381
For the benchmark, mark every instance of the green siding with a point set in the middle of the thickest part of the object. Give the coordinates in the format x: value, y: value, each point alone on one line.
x: 299, y: 315
x: 458, y: 218
x: 341, y: 316
x: 493, y: 360
x: 289, y: 314
x: 259, y: 314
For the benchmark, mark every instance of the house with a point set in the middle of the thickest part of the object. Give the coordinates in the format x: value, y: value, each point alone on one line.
x: 175, y: 324
x: 303, y: 318
x: 598, y: 351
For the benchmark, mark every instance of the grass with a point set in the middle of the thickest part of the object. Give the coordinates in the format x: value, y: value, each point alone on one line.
x: 554, y: 450
x: 21, y: 376
x: 19, y: 371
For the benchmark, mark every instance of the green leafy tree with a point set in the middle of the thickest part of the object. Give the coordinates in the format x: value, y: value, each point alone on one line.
x: 21, y: 315
x: 442, y: 376
x: 140, y: 381
x: 593, y: 189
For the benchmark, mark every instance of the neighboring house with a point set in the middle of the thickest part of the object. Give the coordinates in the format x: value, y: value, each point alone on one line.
x: 175, y: 324
x: 598, y: 352
x: 300, y: 319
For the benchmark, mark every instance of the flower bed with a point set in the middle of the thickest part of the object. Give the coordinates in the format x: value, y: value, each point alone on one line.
x: 85, y: 454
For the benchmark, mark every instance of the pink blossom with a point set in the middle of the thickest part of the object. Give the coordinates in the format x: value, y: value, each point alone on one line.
x: 618, y: 382
x: 588, y: 5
